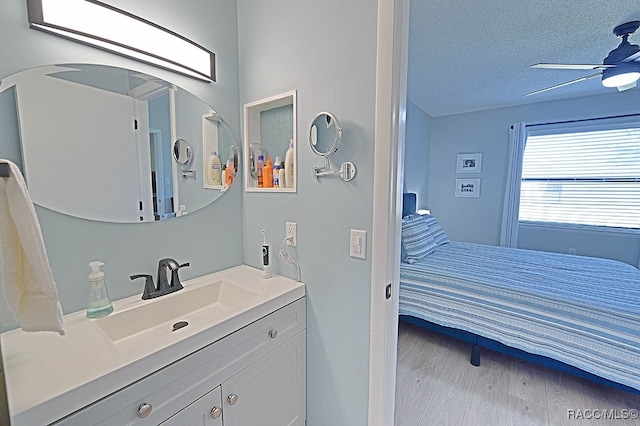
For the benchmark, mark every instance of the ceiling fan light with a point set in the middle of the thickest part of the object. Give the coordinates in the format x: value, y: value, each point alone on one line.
x: 627, y: 86
x: 623, y: 75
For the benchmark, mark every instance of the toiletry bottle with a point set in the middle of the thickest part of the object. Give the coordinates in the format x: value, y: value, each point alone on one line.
x: 230, y: 172
x: 234, y: 155
x: 234, y: 167
x: 276, y: 173
x: 260, y: 171
x: 289, y: 159
x: 267, y: 174
x: 266, y: 272
x: 214, y: 170
x: 282, y: 178
x: 224, y: 175
x: 99, y: 304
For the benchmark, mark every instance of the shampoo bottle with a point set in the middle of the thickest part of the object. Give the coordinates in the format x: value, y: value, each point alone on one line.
x: 276, y: 173
x: 260, y: 171
x: 267, y: 174
x: 224, y: 176
x: 214, y: 170
x: 289, y: 159
x: 99, y: 304
x: 282, y: 178
x: 230, y: 172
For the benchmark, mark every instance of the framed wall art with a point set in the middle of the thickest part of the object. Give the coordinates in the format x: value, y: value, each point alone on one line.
x: 468, y: 188
x: 469, y: 163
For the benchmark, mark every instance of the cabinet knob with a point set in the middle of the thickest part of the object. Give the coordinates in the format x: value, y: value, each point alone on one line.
x: 233, y: 398
x: 216, y: 412
x: 144, y: 410
x: 273, y: 333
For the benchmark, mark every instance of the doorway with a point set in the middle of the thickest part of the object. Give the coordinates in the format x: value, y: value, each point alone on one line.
x: 391, y: 88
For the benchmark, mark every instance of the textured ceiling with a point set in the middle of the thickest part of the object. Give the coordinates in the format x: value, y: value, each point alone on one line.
x: 473, y: 55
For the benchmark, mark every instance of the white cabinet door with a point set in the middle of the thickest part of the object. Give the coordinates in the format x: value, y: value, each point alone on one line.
x: 206, y: 411
x: 271, y: 391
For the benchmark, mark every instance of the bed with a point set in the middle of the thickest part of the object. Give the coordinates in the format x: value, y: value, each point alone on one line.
x: 573, y: 313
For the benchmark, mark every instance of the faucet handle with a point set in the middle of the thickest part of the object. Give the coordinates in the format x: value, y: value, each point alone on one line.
x: 149, y: 288
x: 175, y: 279
x: 163, y: 281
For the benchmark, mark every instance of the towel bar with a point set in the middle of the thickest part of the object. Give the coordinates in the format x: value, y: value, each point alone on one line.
x: 4, y: 170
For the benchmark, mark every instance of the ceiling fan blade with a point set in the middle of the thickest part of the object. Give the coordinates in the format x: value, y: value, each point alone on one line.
x: 633, y: 57
x: 578, y: 80
x: 572, y: 66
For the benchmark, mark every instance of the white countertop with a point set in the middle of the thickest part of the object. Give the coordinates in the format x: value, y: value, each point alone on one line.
x: 49, y: 376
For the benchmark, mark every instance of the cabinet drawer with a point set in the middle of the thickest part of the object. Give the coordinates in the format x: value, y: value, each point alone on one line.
x: 179, y: 384
x: 200, y: 413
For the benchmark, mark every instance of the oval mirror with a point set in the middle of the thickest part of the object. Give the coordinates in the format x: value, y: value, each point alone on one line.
x: 182, y: 152
x: 325, y: 135
x: 96, y: 142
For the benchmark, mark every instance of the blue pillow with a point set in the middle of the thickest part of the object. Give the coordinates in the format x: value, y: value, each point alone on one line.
x: 435, y: 230
x: 417, y: 241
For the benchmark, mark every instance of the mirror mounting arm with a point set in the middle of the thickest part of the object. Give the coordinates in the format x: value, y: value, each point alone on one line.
x: 186, y: 174
x: 347, y: 171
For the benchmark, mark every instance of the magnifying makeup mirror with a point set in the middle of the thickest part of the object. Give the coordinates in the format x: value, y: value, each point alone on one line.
x: 183, y: 154
x: 325, y: 135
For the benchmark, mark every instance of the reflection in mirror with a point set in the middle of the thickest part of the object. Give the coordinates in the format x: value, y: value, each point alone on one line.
x: 95, y: 142
x: 325, y: 134
x: 182, y: 152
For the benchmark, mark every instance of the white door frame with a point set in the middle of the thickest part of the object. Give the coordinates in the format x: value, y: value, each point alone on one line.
x: 391, y: 88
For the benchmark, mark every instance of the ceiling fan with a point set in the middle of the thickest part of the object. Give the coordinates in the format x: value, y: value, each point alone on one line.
x: 619, y: 69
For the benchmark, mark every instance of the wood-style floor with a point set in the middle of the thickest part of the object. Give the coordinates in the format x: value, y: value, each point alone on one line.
x: 436, y: 385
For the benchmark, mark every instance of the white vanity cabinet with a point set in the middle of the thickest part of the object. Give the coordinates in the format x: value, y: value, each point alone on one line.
x: 206, y: 411
x: 253, y: 376
x: 269, y: 391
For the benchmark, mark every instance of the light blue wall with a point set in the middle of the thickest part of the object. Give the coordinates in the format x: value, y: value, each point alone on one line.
x: 479, y: 219
x: 9, y: 125
x: 211, y: 238
x: 416, y: 154
x: 327, y: 51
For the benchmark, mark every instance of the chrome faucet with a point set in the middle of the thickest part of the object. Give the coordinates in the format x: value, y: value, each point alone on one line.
x: 164, y: 286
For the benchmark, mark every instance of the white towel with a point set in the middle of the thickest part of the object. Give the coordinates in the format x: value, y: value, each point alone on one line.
x: 26, y: 281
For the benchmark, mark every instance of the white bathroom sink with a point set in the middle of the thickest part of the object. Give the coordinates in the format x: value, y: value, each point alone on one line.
x: 172, y: 313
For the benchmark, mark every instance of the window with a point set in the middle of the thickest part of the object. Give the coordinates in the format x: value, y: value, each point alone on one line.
x: 587, y: 173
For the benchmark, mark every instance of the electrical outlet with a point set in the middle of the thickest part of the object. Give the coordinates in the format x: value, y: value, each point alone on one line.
x: 572, y: 251
x: 292, y: 231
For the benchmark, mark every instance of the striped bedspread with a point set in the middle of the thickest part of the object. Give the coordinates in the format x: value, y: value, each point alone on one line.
x: 582, y: 311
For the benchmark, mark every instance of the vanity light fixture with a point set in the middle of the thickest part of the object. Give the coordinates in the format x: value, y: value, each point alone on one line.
x: 106, y: 27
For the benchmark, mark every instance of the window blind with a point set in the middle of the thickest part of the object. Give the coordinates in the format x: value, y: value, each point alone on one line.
x: 583, y: 177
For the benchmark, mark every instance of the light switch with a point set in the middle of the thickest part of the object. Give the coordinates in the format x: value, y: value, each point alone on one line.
x: 358, y: 244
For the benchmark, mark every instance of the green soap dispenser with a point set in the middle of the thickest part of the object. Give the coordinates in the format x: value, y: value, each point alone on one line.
x: 99, y: 304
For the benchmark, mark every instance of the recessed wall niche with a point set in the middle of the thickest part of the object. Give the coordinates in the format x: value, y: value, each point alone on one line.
x: 269, y: 126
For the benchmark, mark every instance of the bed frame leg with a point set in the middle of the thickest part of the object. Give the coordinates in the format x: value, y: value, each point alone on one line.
x: 475, y: 355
